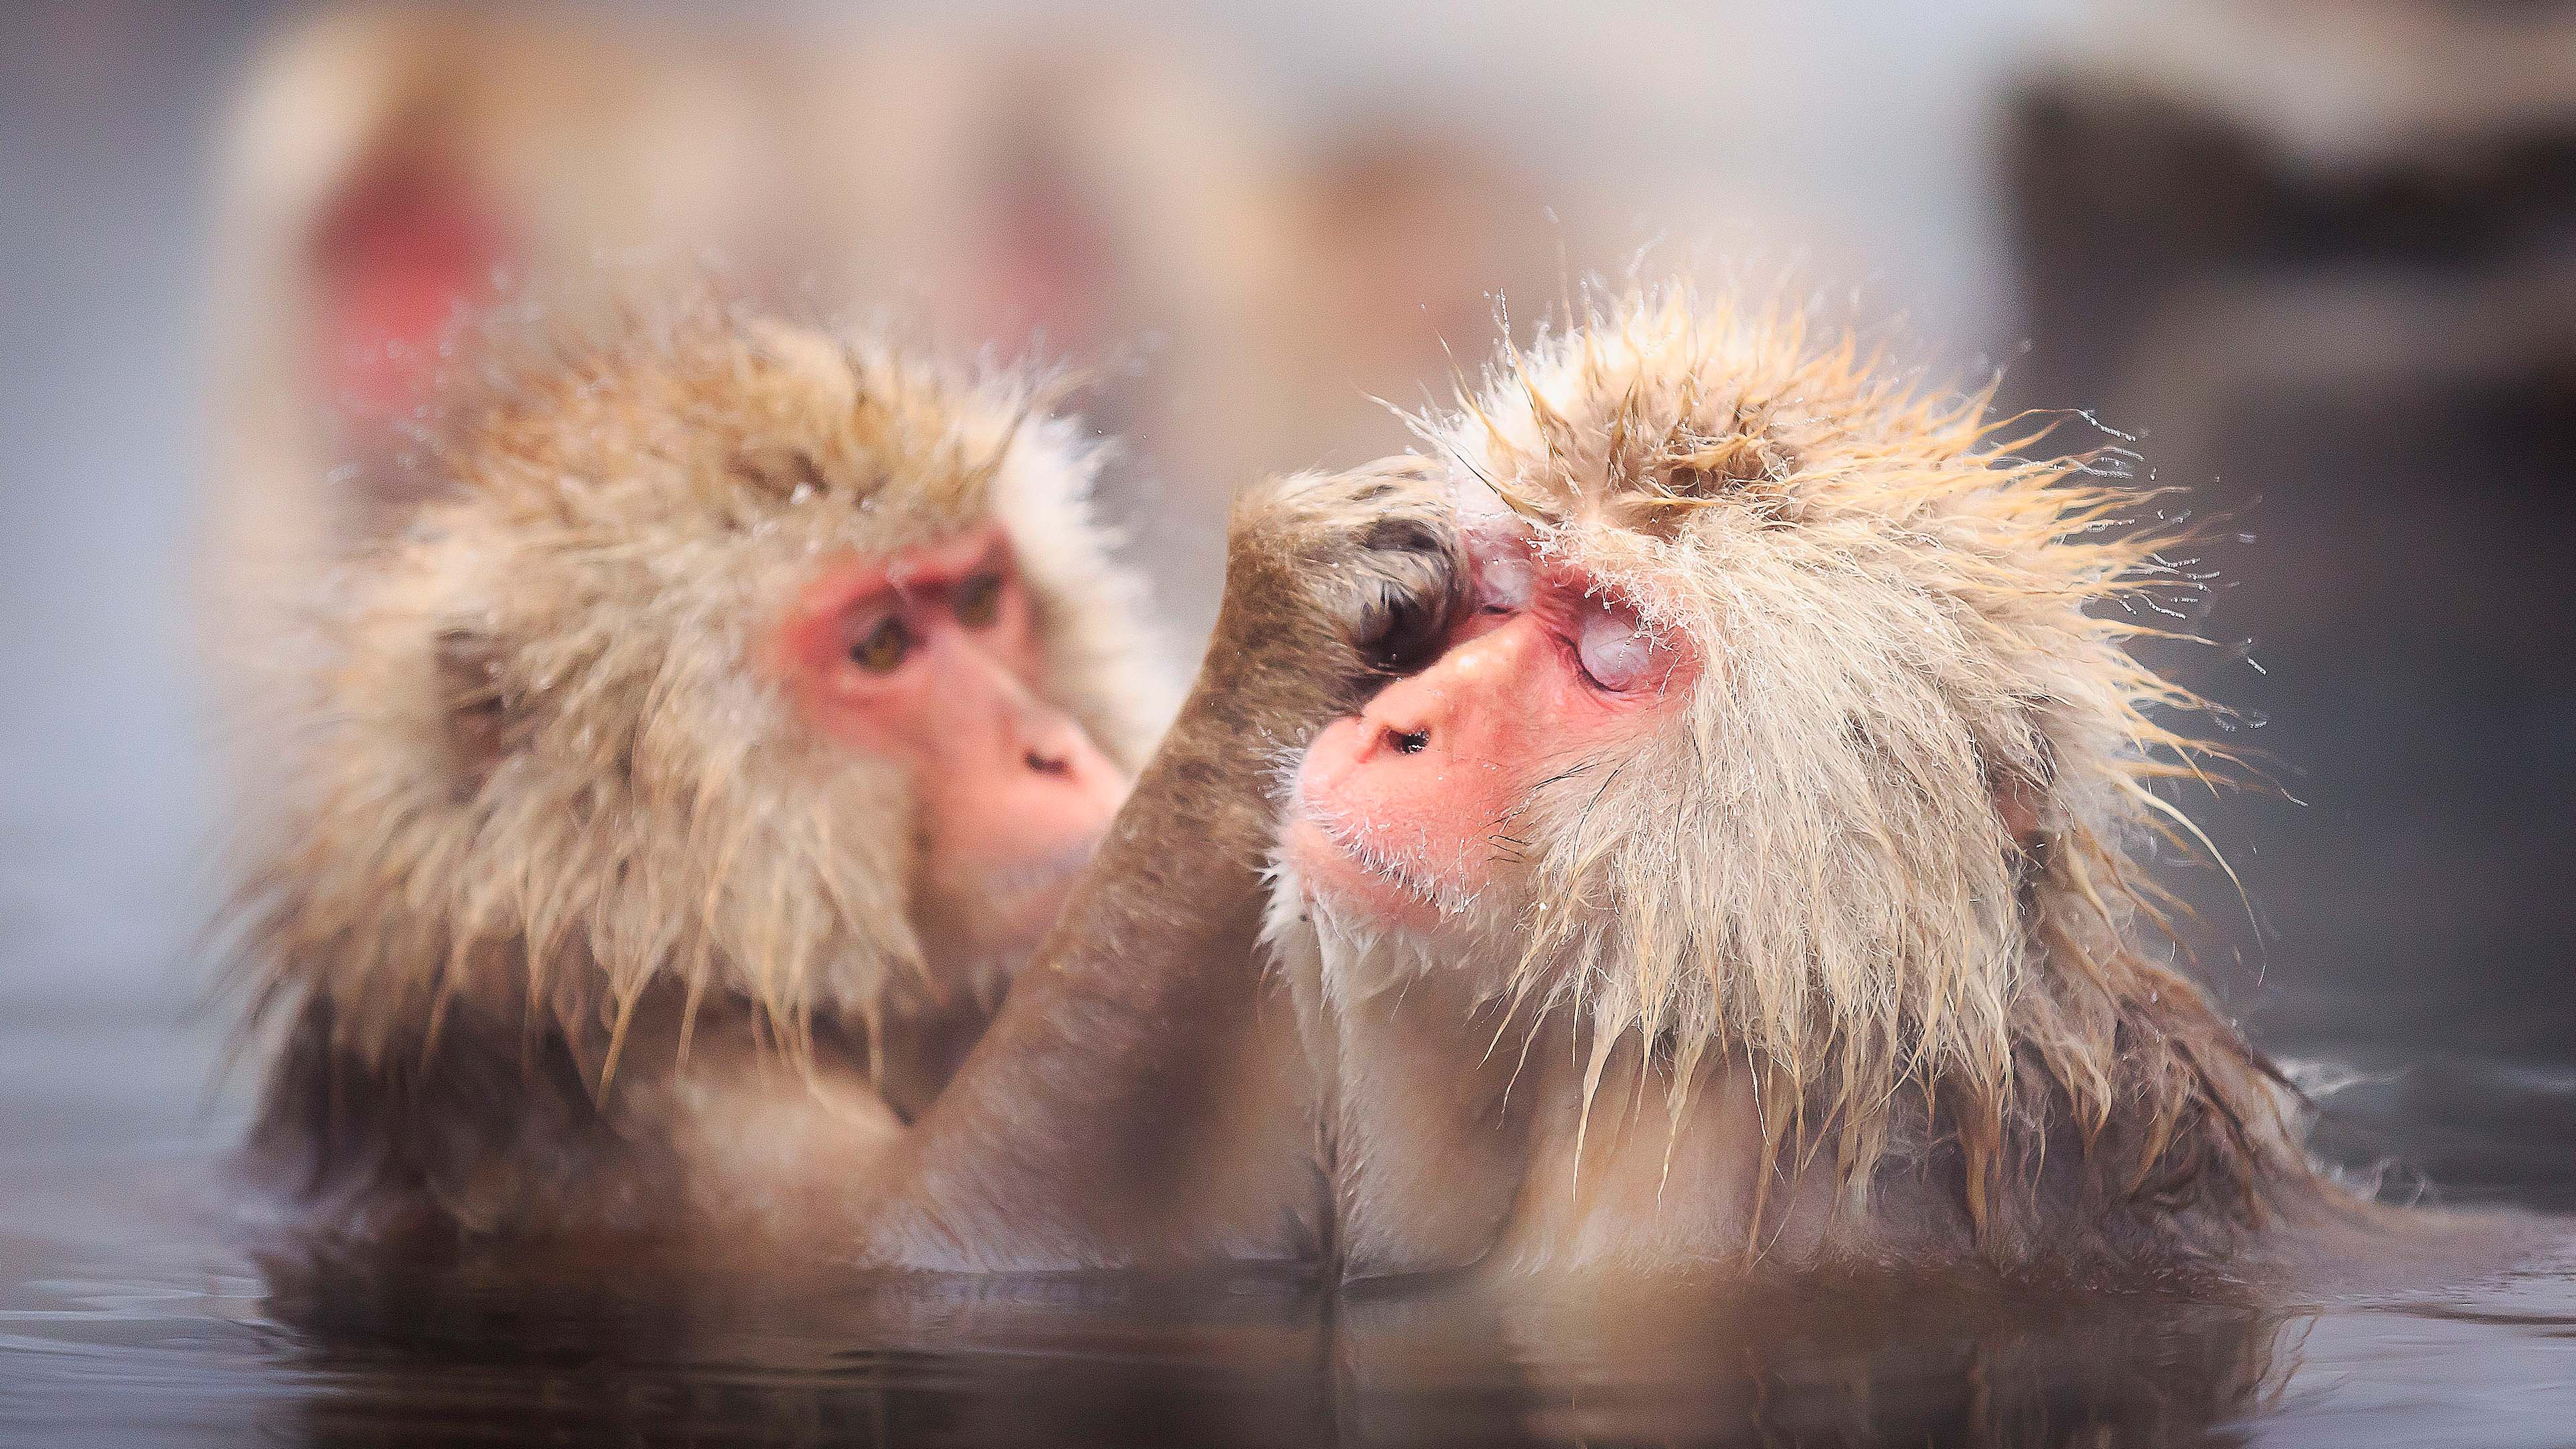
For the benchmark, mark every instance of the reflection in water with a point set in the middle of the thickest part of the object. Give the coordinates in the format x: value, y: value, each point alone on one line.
x: 601, y: 1350
x: 132, y: 1311
x: 1848, y: 1363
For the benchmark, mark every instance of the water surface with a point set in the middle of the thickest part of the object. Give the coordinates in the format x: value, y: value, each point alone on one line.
x: 135, y: 1308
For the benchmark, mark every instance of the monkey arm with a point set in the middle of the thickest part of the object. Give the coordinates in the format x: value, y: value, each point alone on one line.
x: 1140, y: 1098
x: 1079, y: 1131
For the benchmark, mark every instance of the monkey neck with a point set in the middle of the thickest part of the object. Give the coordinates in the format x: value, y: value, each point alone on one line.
x: 1419, y: 1136
x: 905, y: 1053
x: 491, y: 1130
x: 1462, y: 1135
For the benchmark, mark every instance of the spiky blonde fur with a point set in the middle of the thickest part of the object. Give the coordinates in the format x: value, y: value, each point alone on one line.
x: 1811, y: 871
x: 613, y: 523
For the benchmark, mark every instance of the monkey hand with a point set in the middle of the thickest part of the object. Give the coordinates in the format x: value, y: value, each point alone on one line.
x: 1345, y: 579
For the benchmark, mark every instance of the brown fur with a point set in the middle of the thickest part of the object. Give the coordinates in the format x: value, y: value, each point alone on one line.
x: 552, y: 858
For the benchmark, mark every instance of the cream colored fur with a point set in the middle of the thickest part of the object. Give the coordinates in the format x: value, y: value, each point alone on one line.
x: 1810, y: 875
x: 610, y: 528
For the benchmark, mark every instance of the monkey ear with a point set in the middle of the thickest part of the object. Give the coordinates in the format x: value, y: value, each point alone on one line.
x: 484, y: 719
x: 2019, y: 801
x: 398, y: 254
x: 401, y: 249
x: 2021, y: 791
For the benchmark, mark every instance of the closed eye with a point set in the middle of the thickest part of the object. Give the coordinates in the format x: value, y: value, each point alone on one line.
x: 1613, y: 650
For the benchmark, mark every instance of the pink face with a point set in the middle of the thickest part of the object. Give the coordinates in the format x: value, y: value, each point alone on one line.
x: 930, y: 659
x: 1410, y: 805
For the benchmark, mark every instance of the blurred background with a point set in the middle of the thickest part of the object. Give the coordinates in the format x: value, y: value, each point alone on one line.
x: 2316, y: 262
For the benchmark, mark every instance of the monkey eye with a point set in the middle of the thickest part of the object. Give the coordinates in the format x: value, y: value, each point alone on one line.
x: 1614, y: 650
x: 883, y: 649
x: 977, y: 600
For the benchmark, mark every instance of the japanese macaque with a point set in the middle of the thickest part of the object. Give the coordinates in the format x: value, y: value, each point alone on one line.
x: 1696, y: 817
x: 686, y: 778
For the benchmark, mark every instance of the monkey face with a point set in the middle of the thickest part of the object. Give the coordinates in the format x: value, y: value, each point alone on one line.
x: 929, y: 659
x: 1408, y: 809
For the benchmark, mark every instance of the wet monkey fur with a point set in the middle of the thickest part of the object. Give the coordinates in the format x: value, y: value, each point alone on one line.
x: 678, y: 789
x: 1778, y: 794
x: 1694, y: 817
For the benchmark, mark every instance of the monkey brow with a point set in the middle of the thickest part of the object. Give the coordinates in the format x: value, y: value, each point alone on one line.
x: 916, y: 577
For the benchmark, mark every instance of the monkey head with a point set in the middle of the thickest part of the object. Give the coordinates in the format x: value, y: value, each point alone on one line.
x: 729, y: 654
x: 1781, y: 728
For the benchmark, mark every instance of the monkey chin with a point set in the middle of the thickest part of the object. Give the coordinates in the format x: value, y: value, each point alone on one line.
x: 1341, y: 879
x: 990, y: 917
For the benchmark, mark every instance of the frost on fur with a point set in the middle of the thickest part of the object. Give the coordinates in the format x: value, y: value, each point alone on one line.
x: 535, y: 765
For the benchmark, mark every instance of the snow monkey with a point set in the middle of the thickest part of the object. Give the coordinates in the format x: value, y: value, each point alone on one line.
x: 688, y: 775
x: 1696, y: 815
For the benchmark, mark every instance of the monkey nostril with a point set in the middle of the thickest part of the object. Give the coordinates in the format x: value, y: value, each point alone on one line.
x: 1046, y: 764
x: 1409, y: 742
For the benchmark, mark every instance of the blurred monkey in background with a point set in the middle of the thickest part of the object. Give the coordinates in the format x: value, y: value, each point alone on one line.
x: 1238, y: 295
